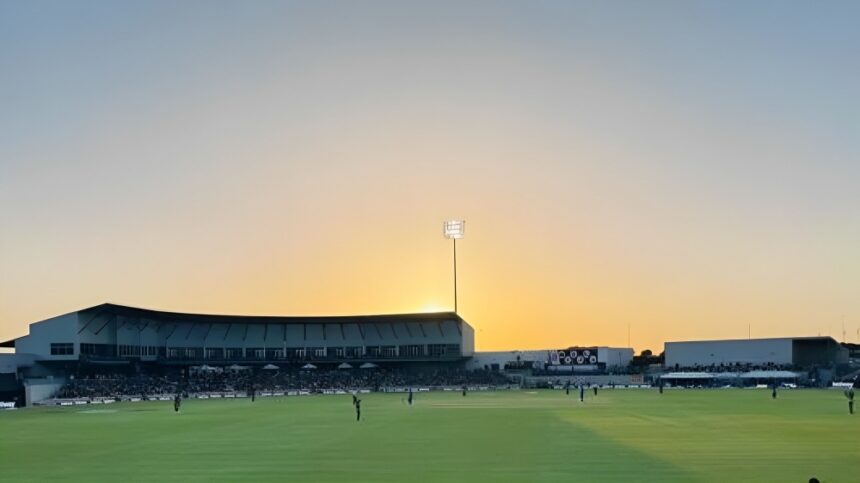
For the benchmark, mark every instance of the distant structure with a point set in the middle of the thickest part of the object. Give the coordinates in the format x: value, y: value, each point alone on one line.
x: 110, y: 337
x: 133, y: 348
x: 118, y: 334
x: 798, y: 352
x: 566, y: 361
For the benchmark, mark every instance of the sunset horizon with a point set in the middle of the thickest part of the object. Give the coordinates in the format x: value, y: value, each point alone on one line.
x: 672, y: 171
x: 444, y: 241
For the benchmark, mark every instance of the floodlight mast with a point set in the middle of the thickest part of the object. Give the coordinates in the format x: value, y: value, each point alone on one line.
x: 454, y: 229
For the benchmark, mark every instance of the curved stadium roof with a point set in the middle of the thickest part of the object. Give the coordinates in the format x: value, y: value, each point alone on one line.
x: 113, y: 309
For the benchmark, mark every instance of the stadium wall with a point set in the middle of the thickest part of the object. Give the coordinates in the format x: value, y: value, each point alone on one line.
x: 716, y: 352
x: 36, y: 390
x: 11, y: 363
x: 599, y: 380
x: 611, y: 356
x: 468, y: 340
x: 615, y: 356
x: 481, y: 360
x: 111, y: 332
x: 60, y: 329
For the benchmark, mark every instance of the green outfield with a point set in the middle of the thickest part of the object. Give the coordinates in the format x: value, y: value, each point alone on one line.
x: 517, y: 436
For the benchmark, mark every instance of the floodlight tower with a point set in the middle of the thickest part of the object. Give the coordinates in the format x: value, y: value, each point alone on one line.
x: 453, y: 230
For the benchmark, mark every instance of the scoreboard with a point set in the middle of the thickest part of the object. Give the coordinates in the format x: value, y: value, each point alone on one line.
x: 574, y: 356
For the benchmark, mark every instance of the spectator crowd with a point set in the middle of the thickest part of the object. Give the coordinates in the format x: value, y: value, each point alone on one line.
x: 225, y: 381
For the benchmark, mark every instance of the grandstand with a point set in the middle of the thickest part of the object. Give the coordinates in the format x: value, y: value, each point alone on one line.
x: 798, y: 352
x: 125, y: 352
x: 118, y: 334
x: 108, y: 339
x: 745, y: 362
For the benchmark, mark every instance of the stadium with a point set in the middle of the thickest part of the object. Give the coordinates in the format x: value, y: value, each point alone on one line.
x: 125, y: 378
x: 220, y: 258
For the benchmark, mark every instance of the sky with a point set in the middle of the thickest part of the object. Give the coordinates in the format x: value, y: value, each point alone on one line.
x: 669, y: 170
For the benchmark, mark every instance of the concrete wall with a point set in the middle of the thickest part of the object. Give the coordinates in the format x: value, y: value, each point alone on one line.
x: 468, y: 340
x: 481, y: 359
x: 37, y: 390
x: 614, y: 356
x: 704, y: 353
x: 10, y: 363
x: 63, y: 328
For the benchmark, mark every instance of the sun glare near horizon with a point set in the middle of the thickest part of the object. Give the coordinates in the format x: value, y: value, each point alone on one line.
x: 686, y: 169
x: 434, y: 308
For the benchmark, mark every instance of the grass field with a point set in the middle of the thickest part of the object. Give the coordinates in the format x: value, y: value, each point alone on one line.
x: 521, y: 436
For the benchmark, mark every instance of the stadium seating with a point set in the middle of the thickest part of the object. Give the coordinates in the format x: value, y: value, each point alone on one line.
x: 232, y: 382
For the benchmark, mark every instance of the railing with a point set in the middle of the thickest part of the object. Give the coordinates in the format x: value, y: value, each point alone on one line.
x: 310, y: 358
x: 224, y: 358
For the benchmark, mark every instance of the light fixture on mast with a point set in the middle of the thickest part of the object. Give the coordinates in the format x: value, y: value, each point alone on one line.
x: 454, y: 230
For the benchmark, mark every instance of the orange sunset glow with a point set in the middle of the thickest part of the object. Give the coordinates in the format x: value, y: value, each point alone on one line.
x: 615, y: 170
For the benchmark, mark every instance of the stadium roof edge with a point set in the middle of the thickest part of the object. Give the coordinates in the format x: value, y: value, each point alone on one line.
x: 294, y: 319
x: 813, y: 337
